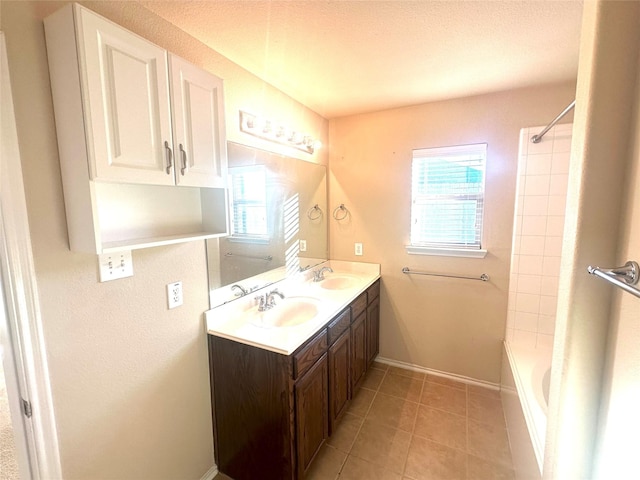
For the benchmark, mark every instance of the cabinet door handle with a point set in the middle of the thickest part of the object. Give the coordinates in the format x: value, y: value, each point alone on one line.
x: 169, y: 157
x: 183, y: 154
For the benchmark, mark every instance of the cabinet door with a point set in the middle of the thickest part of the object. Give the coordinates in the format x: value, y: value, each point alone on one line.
x: 339, y: 378
x: 312, y: 425
x: 373, y: 329
x: 198, y: 121
x: 358, y: 350
x: 126, y: 103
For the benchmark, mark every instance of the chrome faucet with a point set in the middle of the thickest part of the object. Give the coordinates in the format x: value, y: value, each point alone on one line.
x: 243, y: 291
x: 318, y: 275
x: 268, y: 301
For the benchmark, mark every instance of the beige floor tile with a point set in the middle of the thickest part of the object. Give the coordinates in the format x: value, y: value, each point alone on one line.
x: 442, y: 427
x: 446, y: 398
x: 345, y: 434
x: 431, y: 461
x: 358, y: 469
x: 400, y: 386
x: 393, y: 412
x: 373, y: 379
x: 486, y: 392
x: 405, y: 372
x: 489, y: 442
x: 384, y: 446
x: 327, y: 465
x: 480, y: 469
x: 361, y: 402
x: 446, y: 381
x: 486, y: 409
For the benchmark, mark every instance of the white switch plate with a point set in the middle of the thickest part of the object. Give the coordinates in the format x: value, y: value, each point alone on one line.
x: 303, y: 245
x: 358, y: 249
x: 174, y: 294
x: 115, y: 265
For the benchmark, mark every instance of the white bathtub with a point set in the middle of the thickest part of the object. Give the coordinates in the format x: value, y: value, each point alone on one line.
x: 525, y: 393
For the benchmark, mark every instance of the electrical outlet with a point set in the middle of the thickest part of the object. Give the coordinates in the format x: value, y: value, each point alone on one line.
x: 174, y: 294
x: 303, y: 245
x: 115, y: 265
x: 358, y: 249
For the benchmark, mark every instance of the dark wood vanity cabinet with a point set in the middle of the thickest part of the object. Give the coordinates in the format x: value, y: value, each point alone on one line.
x: 273, y: 412
x: 358, y: 350
x: 373, y: 330
x: 312, y: 416
x: 339, y: 366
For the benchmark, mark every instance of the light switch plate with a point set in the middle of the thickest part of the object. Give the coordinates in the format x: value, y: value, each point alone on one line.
x: 174, y: 294
x: 115, y: 265
x: 303, y: 245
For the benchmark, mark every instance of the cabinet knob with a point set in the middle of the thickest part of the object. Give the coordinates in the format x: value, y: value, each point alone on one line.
x: 183, y: 155
x: 169, y: 154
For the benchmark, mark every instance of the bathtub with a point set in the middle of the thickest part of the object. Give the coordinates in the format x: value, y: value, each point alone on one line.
x: 525, y: 394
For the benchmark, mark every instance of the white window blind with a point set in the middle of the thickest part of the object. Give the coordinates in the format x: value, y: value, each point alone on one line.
x: 248, y: 201
x: 447, y: 191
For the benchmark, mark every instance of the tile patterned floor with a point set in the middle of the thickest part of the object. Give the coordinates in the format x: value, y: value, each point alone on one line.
x: 405, y: 425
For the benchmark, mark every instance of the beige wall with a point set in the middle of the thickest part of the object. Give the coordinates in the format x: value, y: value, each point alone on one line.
x: 450, y: 325
x: 129, y: 377
x: 605, y: 93
x: 616, y: 456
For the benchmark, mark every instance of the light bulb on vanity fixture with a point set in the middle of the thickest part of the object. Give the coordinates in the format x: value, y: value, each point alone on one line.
x: 273, y: 131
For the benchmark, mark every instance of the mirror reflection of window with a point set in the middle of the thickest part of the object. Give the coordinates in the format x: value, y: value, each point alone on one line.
x: 291, y: 209
x: 248, y: 203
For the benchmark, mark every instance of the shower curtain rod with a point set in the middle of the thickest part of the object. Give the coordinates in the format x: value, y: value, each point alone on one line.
x: 538, y: 137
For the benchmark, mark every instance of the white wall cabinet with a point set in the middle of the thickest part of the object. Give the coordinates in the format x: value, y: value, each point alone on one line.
x: 198, y: 114
x: 134, y: 121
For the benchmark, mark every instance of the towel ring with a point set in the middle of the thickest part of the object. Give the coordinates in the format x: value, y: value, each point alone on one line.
x: 314, y: 213
x: 343, y: 209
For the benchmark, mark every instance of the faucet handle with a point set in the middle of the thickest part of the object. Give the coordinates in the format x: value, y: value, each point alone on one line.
x: 261, y: 302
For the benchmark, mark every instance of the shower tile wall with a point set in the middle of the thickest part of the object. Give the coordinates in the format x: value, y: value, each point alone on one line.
x: 537, y: 240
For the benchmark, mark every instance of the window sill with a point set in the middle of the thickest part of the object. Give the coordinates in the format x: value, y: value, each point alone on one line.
x: 445, y: 252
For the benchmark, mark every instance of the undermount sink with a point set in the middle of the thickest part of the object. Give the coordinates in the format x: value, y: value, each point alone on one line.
x: 338, y: 282
x: 289, y: 312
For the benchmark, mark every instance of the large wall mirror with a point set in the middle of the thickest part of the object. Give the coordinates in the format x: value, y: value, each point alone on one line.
x: 278, y: 216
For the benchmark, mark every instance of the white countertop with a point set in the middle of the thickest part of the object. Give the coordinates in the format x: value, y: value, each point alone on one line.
x: 240, y: 320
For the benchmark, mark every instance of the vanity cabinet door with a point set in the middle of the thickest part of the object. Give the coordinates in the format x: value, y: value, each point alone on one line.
x: 198, y: 125
x: 312, y: 420
x: 358, y: 350
x: 339, y: 378
x: 126, y: 102
x: 373, y: 329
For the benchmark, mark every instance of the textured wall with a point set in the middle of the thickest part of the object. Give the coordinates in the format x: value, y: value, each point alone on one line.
x: 129, y: 377
x: 616, y: 456
x: 602, y: 134
x: 451, y: 325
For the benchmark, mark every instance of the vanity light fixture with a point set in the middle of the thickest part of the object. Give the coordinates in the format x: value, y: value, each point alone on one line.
x: 277, y: 133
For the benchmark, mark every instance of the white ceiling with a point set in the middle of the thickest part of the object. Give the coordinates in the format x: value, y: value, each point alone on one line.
x: 345, y: 57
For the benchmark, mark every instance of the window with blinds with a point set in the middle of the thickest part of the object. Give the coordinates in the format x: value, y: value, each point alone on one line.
x: 248, y: 202
x: 447, y: 194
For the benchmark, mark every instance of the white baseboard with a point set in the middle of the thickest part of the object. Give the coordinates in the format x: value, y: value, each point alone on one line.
x: 438, y: 373
x: 210, y: 475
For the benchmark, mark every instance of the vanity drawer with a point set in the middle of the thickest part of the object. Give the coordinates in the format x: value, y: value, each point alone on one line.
x: 339, y: 325
x: 359, y: 305
x: 305, y: 358
x: 374, y: 291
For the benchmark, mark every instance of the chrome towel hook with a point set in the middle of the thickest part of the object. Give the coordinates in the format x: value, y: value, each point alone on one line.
x: 343, y: 209
x: 314, y: 213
